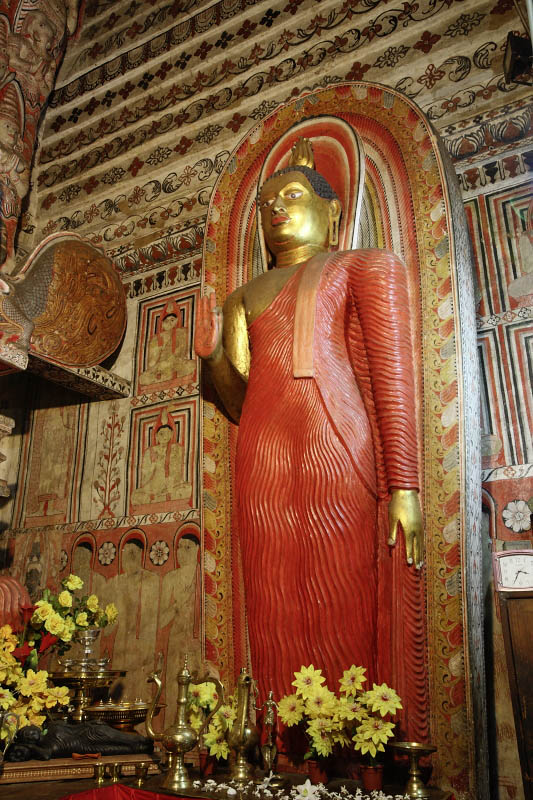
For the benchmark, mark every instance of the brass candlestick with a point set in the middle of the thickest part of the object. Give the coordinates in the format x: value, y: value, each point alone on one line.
x: 415, y: 786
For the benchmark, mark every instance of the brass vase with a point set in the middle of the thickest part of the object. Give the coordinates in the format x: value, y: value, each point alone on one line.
x: 179, y: 737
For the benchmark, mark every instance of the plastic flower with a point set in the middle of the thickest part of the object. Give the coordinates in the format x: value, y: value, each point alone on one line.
x: 376, y: 729
x: 64, y: 599
x: 72, y: 583
x: 81, y: 619
x: 6, y: 698
x: 215, y: 741
x: 57, y: 695
x: 55, y: 624
x: 352, y: 680
x: 308, y: 678
x: 92, y: 603
x: 367, y: 745
x: 319, y: 731
x: 320, y: 701
x: 290, y: 710
x: 351, y: 708
x: 42, y: 611
x: 33, y: 682
x: 306, y: 791
x: 383, y: 699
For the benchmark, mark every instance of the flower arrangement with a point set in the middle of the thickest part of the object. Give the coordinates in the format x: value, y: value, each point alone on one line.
x: 25, y: 695
x: 56, y: 617
x: 354, y: 716
x: 216, y: 736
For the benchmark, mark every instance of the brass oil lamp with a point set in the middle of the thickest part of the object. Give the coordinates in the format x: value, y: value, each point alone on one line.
x: 243, y: 735
x: 179, y: 738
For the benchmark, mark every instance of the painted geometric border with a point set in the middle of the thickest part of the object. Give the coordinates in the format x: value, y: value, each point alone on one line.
x: 451, y: 452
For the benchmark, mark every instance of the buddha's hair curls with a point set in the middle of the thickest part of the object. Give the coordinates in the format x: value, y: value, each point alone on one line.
x: 317, y: 181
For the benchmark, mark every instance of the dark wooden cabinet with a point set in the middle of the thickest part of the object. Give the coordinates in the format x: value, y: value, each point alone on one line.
x: 517, y: 623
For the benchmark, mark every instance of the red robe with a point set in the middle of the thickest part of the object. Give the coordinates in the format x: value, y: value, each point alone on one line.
x: 315, y: 456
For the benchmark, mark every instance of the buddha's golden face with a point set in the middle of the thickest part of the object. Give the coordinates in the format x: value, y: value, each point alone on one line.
x: 292, y: 213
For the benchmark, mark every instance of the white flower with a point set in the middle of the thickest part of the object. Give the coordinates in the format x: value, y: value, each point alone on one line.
x: 159, y: 552
x: 231, y: 791
x: 517, y: 515
x: 306, y: 791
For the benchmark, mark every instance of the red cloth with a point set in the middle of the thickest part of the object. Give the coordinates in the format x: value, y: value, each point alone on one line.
x: 314, y: 458
x: 118, y: 792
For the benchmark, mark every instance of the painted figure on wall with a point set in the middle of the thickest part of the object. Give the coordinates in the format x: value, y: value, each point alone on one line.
x: 135, y: 592
x: 168, y: 350
x: 179, y: 609
x: 162, y: 466
x: 314, y: 360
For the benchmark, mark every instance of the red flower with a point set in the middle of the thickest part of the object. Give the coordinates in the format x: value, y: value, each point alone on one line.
x: 21, y: 653
x: 47, y: 641
x: 27, y: 613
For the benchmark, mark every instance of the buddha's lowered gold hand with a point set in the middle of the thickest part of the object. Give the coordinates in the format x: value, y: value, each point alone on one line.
x: 208, y: 329
x: 404, y: 510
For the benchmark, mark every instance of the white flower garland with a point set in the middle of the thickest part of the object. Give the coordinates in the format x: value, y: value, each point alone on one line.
x: 305, y: 791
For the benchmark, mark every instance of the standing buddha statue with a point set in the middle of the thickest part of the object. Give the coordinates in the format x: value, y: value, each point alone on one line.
x: 314, y: 360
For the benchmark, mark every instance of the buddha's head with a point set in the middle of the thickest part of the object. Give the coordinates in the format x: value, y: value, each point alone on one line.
x: 298, y: 207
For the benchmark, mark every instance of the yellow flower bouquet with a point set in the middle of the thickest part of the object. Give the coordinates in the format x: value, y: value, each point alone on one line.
x: 53, y: 620
x: 216, y: 736
x: 354, y: 716
x: 25, y: 696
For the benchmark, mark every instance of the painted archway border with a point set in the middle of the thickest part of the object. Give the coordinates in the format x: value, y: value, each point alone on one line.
x: 440, y: 253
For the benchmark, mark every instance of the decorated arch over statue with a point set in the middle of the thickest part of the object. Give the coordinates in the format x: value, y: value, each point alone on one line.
x: 386, y: 167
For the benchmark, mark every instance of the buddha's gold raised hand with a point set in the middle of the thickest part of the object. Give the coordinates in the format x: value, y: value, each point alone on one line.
x: 208, y: 330
x: 404, y: 510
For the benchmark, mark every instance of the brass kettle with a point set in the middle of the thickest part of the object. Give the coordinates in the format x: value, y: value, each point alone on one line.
x: 179, y: 738
x: 243, y: 736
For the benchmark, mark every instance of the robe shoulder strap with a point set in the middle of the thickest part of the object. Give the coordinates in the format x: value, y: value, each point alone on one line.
x: 304, y: 317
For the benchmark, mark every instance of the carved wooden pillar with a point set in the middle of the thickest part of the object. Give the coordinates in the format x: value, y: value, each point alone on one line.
x: 6, y: 426
x: 32, y: 41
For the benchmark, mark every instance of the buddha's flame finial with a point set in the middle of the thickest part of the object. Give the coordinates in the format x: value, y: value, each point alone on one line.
x: 302, y: 154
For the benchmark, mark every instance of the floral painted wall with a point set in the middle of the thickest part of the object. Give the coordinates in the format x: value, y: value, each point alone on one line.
x: 149, y: 102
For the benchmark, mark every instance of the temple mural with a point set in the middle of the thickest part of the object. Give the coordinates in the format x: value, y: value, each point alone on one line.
x: 148, y: 105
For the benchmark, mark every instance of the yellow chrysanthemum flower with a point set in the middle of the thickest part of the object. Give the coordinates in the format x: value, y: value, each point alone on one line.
x: 64, y: 599
x: 352, y: 680
x: 307, y: 679
x: 383, y: 699
x: 290, y: 710
x: 73, y: 583
x: 92, y: 603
